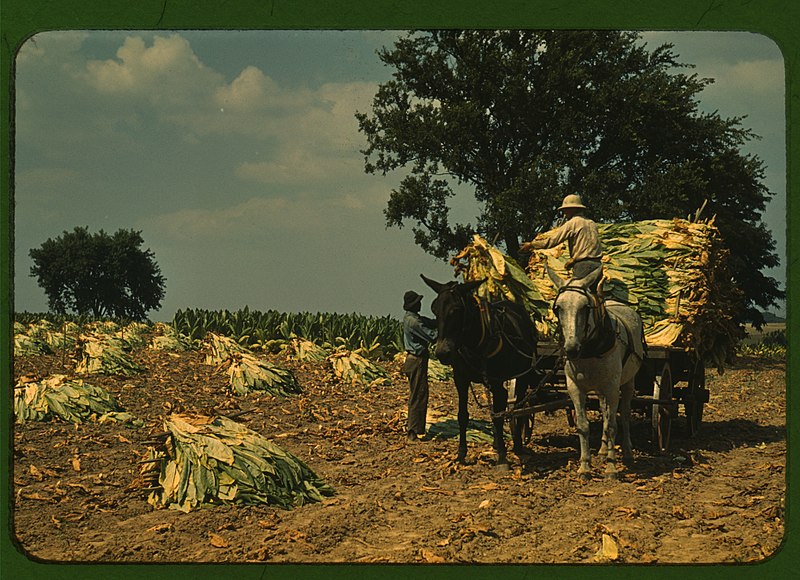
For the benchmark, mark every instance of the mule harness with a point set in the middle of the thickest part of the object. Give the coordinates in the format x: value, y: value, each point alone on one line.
x: 599, y: 345
x: 485, y: 318
x: 483, y: 352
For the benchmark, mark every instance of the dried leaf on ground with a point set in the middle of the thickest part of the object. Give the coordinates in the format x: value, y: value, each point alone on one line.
x: 36, y: 473
x: 629, y: 512
x: 431, y: 558
x: 218, y: 541
x: 609, y: 551
x: 680, y: 512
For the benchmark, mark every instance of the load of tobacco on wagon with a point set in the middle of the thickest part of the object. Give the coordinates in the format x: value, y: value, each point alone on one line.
x: 673, y: 273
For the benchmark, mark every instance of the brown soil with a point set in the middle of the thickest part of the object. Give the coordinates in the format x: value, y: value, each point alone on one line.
x: 717, y: 497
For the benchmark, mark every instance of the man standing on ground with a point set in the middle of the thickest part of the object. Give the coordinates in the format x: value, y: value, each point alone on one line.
x: 418, y: 333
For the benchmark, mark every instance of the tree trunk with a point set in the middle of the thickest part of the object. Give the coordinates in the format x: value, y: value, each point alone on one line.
x: 512, y: 245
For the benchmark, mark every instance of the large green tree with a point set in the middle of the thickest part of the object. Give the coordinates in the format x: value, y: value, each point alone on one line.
x: 99, y: 274
x: 523, y: 118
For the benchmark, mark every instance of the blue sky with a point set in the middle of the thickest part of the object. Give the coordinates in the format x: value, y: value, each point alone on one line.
x: 237, y: 155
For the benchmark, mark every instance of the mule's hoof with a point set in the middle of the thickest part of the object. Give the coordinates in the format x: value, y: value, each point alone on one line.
x: 504, y: 466
x: 612, y: 474
x: 584, y: 476
x: 523, y: 453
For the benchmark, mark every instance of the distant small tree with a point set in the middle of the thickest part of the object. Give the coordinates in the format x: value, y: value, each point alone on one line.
x: 98, y: 274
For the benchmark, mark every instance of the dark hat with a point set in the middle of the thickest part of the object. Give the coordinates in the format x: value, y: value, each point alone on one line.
x: 411, y: 300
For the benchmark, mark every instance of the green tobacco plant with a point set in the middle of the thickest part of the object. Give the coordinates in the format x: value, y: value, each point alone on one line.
x: 271, y: 330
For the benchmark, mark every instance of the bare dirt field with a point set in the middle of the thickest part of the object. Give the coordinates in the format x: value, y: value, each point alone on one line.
x: 717, y: 497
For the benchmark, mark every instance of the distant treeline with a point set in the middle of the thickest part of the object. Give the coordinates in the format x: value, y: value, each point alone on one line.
x: 769, y: 317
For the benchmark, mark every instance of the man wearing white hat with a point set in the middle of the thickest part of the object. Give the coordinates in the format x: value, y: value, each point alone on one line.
x: 580, y: 233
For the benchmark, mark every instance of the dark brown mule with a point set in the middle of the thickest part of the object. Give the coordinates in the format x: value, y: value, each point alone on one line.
x: 487, y: 343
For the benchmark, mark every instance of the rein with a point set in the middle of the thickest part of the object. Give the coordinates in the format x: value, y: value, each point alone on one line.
x: 486, y: 322
x: 483, y: 306
x: 468, y: 353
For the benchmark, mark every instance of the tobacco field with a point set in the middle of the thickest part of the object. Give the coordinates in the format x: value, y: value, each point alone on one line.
x: 88, y: 489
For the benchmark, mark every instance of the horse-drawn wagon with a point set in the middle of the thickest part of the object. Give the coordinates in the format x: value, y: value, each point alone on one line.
x: 671, y: 273
x: 670, y: 378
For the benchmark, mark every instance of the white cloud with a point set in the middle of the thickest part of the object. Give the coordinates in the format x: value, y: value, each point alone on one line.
x: 755, y: 78
x: 194, y: 223
x: 247, y: 89
x: 343, y: 100
x: 255, y: 105
x: 50, y: 46
x: 301, y: 164
x: 760, y: 75
x: 319, y: 143
x: 169, y: 75
x: 250, y: 91
x: 166, y: 74
x: 753, y: 89
x: 268, y: 216
x: 312, y: 132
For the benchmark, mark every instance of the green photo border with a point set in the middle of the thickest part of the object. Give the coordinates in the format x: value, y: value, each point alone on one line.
x: 19, y: 19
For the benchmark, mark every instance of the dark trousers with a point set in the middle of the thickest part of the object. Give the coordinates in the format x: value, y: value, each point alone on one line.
x: 416, y: 369
x: 583, y: 268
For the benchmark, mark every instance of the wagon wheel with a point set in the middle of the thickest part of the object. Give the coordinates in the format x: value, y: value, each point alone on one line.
x: 662, y: 413
x: 571, y: 420
x: 523, y: 422
x: 525, y: 425
x: 696, y: 398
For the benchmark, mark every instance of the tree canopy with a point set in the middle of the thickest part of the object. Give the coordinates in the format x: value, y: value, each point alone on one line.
x: 524, y: 118
x: 98, y: 274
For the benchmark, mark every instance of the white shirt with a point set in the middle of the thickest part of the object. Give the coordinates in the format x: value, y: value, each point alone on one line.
x: 581, y: 236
